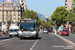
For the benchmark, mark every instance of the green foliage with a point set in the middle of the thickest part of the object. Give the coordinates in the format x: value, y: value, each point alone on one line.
x: 30, y: 14
x: 71, y: 17
x: 49, y: 24
x: 58, y: 14
x: 43, y: 23
x: 74, y: 0
x: 74, y: 9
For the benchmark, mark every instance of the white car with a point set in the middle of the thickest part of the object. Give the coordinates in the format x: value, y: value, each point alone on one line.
x: 13, y: 32
x: 45, y: 31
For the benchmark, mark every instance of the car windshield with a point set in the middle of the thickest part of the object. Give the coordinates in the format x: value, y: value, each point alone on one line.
x: 13, y: 30
x: 65, y: 30
x: 27, y: 26
x: 45, y: 29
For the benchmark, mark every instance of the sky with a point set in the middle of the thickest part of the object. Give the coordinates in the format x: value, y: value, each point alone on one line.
x: 45, y: 7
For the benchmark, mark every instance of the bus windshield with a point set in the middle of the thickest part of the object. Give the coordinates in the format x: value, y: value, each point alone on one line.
x: 27, y: 26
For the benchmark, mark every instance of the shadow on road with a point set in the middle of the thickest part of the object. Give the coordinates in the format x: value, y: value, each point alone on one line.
x: 31, y: 38
x: 3, y: 38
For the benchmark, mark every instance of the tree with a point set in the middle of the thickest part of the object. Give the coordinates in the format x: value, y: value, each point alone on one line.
x: 43, y: 23
x: 71, y: 17
x: 30, y: 14
x: 73, y: 6
x: 59, y: 14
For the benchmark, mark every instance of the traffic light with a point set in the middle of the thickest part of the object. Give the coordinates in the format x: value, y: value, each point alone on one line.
x: 62, y: 17
x: 70, y: 22
x: 51, y: 22
x: 0, y: 24
x: 55, y: 21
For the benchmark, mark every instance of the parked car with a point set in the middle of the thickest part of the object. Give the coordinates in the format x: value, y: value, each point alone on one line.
x: 45, y: 31
x: 65, y: 32
x: 49, y: 30
x: 13, y: 32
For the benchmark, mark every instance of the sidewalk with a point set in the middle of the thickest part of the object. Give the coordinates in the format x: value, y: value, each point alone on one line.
x: 3, y: 36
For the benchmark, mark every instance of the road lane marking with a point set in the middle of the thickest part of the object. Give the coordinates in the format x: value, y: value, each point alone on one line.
x: 34, y: 45
x: 6, y: 40
x: 66, y: 40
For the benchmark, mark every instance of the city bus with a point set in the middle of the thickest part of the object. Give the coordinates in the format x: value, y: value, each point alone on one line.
x: 28, y: 28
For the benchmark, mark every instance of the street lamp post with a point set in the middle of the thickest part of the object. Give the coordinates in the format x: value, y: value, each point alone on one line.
x: 47, y: 22
x: 3, y: 11
x: 55, y: 27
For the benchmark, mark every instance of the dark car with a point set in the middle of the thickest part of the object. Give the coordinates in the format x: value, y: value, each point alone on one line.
x: 49, y: 30
x: 65, y: 32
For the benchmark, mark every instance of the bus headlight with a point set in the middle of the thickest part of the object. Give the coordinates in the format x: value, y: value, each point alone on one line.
x: 34, y: 32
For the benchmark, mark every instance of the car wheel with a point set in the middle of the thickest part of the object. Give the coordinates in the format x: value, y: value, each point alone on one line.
x: 10, y: 35
x: 43, y: 32
x: 21, y: 38
x: 61, y: 35
x: 68, y: 35
x: 36, y: 36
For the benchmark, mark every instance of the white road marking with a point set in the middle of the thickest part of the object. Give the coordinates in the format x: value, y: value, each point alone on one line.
x: 34, y: 45
x: 6, y: 40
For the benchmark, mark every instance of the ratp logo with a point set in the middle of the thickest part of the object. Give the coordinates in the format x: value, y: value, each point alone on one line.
x: 8, y: 0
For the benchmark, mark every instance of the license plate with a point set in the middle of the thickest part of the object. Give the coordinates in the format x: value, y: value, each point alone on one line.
x: 26, y: 36
x: 65, y: 33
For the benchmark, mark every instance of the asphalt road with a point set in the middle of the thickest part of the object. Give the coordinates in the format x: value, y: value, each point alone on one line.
x: 6, y: 37
x: 44, y: 42
x: 71, y: 37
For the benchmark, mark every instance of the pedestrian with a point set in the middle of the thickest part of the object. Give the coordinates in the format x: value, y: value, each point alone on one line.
x: 73, y: 30
x: 0, y: 32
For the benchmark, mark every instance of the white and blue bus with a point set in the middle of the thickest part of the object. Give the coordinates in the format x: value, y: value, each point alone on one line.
x: 28, y: 28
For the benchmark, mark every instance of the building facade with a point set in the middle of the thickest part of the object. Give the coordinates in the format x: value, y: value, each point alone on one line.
x: 11, y: 10
x: 69, y: 5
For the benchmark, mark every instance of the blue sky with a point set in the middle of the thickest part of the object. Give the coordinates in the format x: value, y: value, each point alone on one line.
x: 45, y: 7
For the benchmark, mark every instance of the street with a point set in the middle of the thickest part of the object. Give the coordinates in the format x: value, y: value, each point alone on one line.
x: 71, y: 37
x: 44, y: 42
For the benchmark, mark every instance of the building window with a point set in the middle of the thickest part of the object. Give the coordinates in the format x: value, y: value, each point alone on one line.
x: 14, y: 4
x: 6, y: 8
x: 2, y: 8
x: 18, y: 16
x: 14, y: 12
x: 21, y: 0
x: 10, y: 8
x: 7, y: 17
x: 2, y: 12
x: 18, y: 12
x: 14, y: 16
x: 6, y: 12
x: 10, y: 12
x: 65, y: 4
x: 66, y: 7
x: 14, y: 8
x: 65, y: 0
x: 2, y: 17
x: 18, y: 8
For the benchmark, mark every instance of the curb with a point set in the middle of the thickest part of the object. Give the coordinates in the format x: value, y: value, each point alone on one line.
x: 68, y: 41
x: 6, y: 40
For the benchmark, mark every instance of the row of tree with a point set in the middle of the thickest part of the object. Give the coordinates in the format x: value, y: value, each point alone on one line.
x: 33, y: 15
x: 62, y: 16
